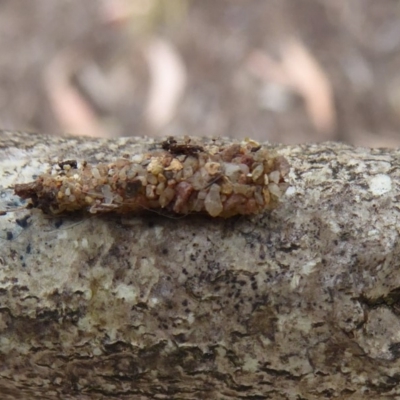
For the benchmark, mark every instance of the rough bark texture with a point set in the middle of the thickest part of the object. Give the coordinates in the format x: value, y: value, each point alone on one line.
x: 299, y: 303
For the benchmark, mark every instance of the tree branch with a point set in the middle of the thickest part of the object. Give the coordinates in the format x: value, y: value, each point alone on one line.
x: 300, y: 302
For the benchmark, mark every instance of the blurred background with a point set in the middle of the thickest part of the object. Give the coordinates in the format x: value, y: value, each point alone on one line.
x: 274, y: 70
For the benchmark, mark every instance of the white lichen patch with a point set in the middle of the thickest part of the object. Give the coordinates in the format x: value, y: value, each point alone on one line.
x: 127, y: 292
x: 380, y: 184
x: 359, y: 166
x: 97, y: 351
x: 309, y: 267
x: 154, y: 301
x: 294, y: 283
x: 190, y: 318
x: 321, y: 176
x: 379, y: 167
x: 373, y: 232
x: 62, y: 235
x: 334, y: 226
x: 250, y: 364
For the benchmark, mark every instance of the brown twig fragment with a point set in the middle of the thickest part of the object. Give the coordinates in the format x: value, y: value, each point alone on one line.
x: 178, y: 176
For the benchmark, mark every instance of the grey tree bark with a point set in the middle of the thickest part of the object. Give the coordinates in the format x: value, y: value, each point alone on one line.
x: 299, y: 303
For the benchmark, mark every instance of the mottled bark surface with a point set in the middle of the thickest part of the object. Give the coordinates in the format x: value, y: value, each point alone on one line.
x: 299, y: 303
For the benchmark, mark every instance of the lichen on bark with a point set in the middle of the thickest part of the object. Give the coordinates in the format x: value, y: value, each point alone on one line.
x: 300, y: 302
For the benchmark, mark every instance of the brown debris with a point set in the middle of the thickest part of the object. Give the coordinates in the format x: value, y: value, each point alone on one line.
x: 172, y: 145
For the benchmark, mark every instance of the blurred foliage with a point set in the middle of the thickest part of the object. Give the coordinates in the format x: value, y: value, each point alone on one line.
x: 148, y: 15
